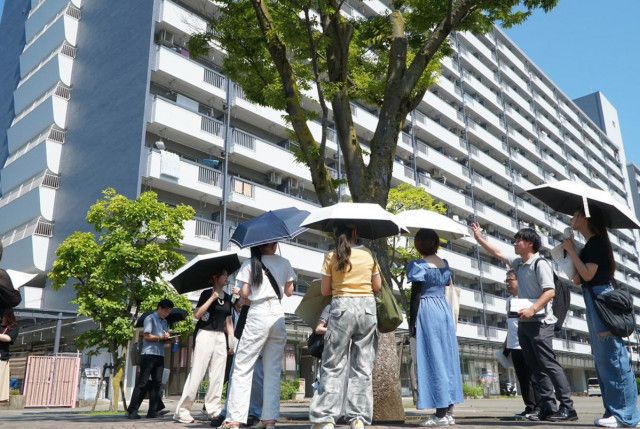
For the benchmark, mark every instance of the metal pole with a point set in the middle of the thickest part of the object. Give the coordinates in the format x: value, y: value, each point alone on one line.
x: 56, y: 343
x: 225, y: 165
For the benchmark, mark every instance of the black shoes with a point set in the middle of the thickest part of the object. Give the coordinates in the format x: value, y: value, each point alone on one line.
x: 133, y: 416
x: 562, y: 415
x: 217, y: 421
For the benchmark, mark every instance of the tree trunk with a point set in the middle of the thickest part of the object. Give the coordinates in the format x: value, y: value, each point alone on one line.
x: 116, y: 380
x: 387, y: 400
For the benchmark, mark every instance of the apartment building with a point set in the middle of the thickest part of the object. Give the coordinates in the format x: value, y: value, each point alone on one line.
x: 634, y: 181
x: 99, y: 94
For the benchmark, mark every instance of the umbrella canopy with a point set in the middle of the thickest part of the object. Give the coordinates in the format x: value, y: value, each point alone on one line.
x: 176, y: 315
x: 196, y: 273
x: 446, y: 227
x: 274, y: 225
x: 20, y: 278
x: 312, y: 305
x: 565, y: 196
x: 370, y: 220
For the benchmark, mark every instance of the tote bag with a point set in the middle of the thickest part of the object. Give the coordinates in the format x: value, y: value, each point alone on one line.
x: 388, y: 310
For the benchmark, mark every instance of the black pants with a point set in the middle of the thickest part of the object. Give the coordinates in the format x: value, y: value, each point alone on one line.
x: 149, y: 380
x: 529, y: 393
x: 536, y: 340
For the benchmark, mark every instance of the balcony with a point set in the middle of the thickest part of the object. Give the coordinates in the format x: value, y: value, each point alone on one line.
x: 460, y: 263
x: 33, y: 198
x: 443, y: 108
x: 57, y: 68
x: 483, y: 49
x: 478, y: 332
x: 178, y: 123
x: 515, y: 96
x: 514, y: 77
x: 486, y: 138
x: 51, y: 109
x: 260, y: 198
x: 524, y: 143
x: 261, y: 155
x: 63, y: 28
x: 571, y: 346
x: 521, y: 121
x: 513, y: 58
x: 43, y: 155
x: 26, y: 248
x: 472, y: 299
x: 44, y: 13
x: 475, y: 63
x: 449, y: 88
x: 429, y: 129
x: 549, y: 126
x: 444, y: 163
x: 491, y: 190
x: 485, y: 114
x: 450, y: 196
x: 488, y: 165
x: 497, y: 218
x: 543, y: 86
x: 560, y: 169
x: 480, y: 88
x: 180, y: 19
x: 527, y: 165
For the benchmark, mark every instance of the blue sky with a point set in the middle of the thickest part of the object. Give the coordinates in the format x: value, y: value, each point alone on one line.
x: 586, y: 46
x: 591, y: 45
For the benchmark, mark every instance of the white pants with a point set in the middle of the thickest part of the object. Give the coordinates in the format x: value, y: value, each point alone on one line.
x: 264, y: 333
x: 4, y: 380
x: 210, y: 352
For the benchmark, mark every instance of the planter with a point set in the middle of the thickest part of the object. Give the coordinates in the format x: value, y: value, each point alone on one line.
x: 16, y: 402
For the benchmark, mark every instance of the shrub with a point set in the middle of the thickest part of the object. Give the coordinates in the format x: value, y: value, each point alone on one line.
x: 473, y: 392
x: 638, y: 383
x: 288, y: 389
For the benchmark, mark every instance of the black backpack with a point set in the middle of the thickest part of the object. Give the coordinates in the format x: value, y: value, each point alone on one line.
x: 562, y: 300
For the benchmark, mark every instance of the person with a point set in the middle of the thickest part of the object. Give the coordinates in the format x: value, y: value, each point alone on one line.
x: 595, y: 268
x: 9, y: 296
x: 439, y: 380
x: 350, y: 274
x: 156, y: 334
x: 8, y: 334
x: 213, y: 313
x: 265, y: 278
x: 512, y: 347
x: 536, y: 332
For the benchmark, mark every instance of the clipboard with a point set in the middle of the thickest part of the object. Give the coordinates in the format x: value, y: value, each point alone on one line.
x: 518, y: 304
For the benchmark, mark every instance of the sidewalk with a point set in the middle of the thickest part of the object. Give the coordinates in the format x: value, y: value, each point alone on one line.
x: 476, y: 413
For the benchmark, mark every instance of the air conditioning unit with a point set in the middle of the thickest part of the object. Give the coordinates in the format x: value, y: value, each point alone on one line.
x: 293, y: 183
x: 275, y: 178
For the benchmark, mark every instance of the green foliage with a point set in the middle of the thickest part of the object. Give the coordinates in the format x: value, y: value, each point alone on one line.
x: 117, y: 272
x: 288, y: 389
x: 472, y: 392
x: 638, y: 383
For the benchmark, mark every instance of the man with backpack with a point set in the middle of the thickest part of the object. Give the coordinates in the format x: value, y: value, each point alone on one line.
x: 537, y: 322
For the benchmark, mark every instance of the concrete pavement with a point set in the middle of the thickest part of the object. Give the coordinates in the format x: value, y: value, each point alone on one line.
x: 475, y: 413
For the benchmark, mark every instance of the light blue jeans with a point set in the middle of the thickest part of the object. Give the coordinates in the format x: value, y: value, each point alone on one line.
x: 615, y: 374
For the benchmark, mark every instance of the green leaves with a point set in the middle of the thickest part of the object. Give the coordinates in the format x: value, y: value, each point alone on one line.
x: 119, y: 269
x: 407, y: 197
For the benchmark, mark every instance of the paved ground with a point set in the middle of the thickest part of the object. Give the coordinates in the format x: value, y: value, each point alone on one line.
x: 479, y: 413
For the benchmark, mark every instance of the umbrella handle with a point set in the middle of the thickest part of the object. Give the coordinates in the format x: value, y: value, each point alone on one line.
x: 585, y: 204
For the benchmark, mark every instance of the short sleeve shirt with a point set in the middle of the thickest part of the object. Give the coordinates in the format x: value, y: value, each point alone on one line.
x: 531, y: 284
x: 154, y: 325
x: 357, y: 281
x: 512, y: 329
x: 595, y: 252
x: 280, y: 268
x: 12, y: 332
x: 214, y: 319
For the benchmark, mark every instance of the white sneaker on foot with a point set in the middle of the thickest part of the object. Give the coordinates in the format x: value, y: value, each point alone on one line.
x: 183, y: 417
x: 451, y: 419
x: 607, y: 422
x: 356, y: 424
x: 435, y: 421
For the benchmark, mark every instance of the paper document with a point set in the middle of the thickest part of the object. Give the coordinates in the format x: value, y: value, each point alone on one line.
x: 518, y: 304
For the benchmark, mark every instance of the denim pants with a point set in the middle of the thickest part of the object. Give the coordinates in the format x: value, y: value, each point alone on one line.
x: 352, y: 326
x: 264, y: 334
x: 615, y: 374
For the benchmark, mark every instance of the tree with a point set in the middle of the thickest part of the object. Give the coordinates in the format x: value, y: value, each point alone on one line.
x: 312, y: 59
x: 117, y: 272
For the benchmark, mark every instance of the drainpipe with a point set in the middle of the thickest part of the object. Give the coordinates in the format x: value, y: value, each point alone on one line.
x: 225, y: 166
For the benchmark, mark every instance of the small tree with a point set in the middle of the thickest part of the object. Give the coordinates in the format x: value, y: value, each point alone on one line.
x: 117, y: 272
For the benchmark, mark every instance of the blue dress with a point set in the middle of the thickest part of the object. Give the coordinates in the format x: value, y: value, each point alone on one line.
x: 437, y: 357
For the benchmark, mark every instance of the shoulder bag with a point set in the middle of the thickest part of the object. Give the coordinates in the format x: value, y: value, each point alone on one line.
x: 615, y: 309
x: 244, y: 311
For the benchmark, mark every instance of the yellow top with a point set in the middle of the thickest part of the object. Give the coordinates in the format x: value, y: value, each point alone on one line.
x: 356, y: 282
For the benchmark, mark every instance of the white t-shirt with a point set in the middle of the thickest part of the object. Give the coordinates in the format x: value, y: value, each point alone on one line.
x: 279, y: 267
x: 512, y: 329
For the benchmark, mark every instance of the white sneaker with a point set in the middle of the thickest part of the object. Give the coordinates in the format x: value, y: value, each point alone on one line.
x: 356, y: 424
x: 435, y: 421
x: 451, y: 420
x: 607, y: 422
x: 183, y: 418
x: 324, y: 425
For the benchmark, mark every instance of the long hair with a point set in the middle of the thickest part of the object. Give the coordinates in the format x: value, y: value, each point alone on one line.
x: 343, y: 234
x: 597, y: 223
x: 9, y: 318
x: 256, y: 266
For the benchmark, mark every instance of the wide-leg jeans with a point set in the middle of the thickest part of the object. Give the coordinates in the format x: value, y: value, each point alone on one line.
x: 352, y: 326
x: 613, y: 367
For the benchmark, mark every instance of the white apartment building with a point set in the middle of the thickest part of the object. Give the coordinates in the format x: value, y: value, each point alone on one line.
x: 88, y: 89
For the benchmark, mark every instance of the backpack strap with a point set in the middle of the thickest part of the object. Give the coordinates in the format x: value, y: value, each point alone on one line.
x: 272, y: 280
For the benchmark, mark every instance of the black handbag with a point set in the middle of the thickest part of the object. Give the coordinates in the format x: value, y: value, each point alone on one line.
x: 315, y: 344
x: 615, y: 309
x: 244, y: 311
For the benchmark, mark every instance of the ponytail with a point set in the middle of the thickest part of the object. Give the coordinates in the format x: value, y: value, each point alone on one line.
x: 256, y: 266
x: 343, y: 236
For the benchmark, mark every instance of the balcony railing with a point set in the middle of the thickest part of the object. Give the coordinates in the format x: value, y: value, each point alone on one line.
x: 38, y: 226
x: 209, y: 176
x: 211, y: 126
x: 242, y: 187
x: 50, y: 134
x: 244, y: 139
x: 214, y: 78
x: 59, y: 90
x: 45, y: 179
x: 208, y: 229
